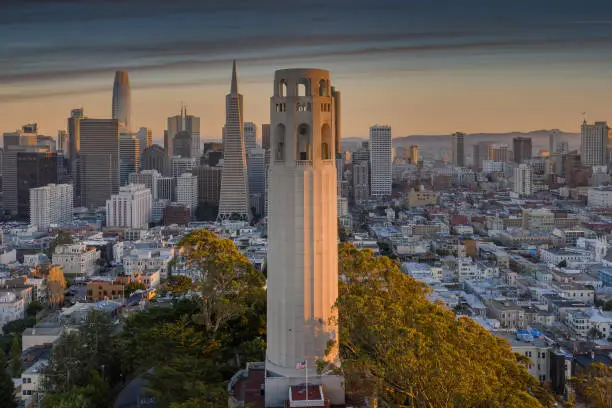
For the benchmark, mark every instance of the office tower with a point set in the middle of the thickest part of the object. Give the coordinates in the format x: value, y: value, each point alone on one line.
x: 336, y: 118
x: 553, y: 138
x: 523, y: 180
x: 166, y: 188
x: 414, y: 154
x: 362, y: 154
x: 250, y: 136
x: 498, y: 152
x: 99, y: 161
x: 51, y: 204
x: 156, y: 158
x: 122, y: 102
x: 62, y: 142
x: 145, y: 136
x: 457, y: 149
x: 129, y: 157
x: 562, y: 147
x: 181, y: 144
x: 302, y: 234
x: 593, y: 143
x: 34, y: 169
x: 521, y: 146
x: 381, y: 175
x: 187, y: 191
x: 257, y: 179
x: 187, y: 123
x: 131, y: 207
x: 480, y: 153
x: 19, y: 141
x: 74, y: 134
x: 361, y: 181
x: 234, y: 200
x: 47, y: 141
x: 182, y: 165
x: 265, y: 136
x: 148, y: 178
x: 209, y: 185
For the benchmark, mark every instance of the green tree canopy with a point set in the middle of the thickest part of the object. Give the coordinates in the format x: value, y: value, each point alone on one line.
x: 16, y: 367
x: 7, y: 392
x: 399, y: 347
x: 62, y: 238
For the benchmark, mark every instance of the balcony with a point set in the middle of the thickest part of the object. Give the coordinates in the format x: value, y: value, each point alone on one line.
x: 303, y: 163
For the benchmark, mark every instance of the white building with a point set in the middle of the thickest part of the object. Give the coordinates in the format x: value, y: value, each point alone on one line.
x: 182, y: 165
x: 51, y: 204
x: 572, y: 257
x: 32, y: 382
x: 148, y: 260
x: 12, y: 307
x: 600, y: 197
x: 303, y: 259
x: 536, y: 350
x: 131, y: 208
x: 147, y: 177
x: 187, y: 191
x: 381, y: 172
x: 492, y: 166
x: 593, y: 143
x: 523, y: 180
x: 593, y: 322
x: 76, y: 259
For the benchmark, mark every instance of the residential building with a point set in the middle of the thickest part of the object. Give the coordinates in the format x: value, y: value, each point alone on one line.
x: 538, y: 220
x: 32, y: 382
x: 76, y: 259
x: 523, y: 180
x: 99, y: 290
x: 187, y: 191
x: 600, y: 197
x: 12, y: 306
x: 51, y: 204
x: 130, y: 208
x: 381, y: 174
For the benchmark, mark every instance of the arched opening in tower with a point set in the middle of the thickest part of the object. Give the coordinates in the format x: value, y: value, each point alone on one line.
x: 304, y: 148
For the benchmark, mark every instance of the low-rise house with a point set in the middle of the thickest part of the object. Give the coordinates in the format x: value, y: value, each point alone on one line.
x: 76, y: 259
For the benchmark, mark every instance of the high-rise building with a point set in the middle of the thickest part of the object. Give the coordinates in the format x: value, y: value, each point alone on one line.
x: 523, y: 180
x: 250, y: 136
x: 148, y: 178
x: 182, y: 165
x: 166, y: 188
x: 182, y: 144
x: 498, y: 152
x: 257, y: 179
x: 129, y: 157
x: 34, y: 169
x: 234, y: 200
x: 209, y: 185
x: 381, y: 170
x: 337, y: 118
x: 361, y: 181
x: 130, y: 208
x: 51, y: 204
x: 62, y: 142
x: 457, y: 149
x: 553, y: 138
x: 156, y: 158
x: 593, y: 143
x: 521, y: 146
x: 302, y: 258
x: 187, y: 191
x: 414, y: 154
x: 122, y: 102
x: 186, y: 123
x: 265, y: 136
x: 145, y: 136
x: 480, y: 153
x: 74, y: 134
x: 99, y: 161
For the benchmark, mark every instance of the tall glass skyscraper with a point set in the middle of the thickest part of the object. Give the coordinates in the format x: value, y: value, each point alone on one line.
x: 122, y: 102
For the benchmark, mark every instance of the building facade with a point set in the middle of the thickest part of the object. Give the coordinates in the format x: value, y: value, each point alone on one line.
x: 187, y: 191
x: 523, y: 180
x: 381, y: 172
x: 130, y: 208
x: 129, y: 157
x: 593, y: 144
x: 122, y: 102
x: 51, y: 204
x: 457, y: 149
x: 521, y: 146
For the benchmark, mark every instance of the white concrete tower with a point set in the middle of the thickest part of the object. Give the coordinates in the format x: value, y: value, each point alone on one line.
x: 302, y: 233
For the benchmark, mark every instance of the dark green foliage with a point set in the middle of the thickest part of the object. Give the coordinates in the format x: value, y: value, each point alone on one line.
x: 62, y: 238
x: 16, y: 367
x: 7, y: 396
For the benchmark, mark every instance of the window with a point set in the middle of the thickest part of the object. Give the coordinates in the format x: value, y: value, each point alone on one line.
x: 303, y: 143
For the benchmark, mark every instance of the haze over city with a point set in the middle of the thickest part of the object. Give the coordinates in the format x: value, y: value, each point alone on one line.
x: 424, y: 68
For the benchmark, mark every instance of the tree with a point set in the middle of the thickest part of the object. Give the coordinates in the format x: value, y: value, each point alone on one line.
x: 397, y: 346
x: 594, y: 385
x: 7, y: 391
x: 608, y: 305
x: 33, y: 308
x: 562, y: 264
x: 133, y: 287
x: 178, y: 285
x: 16, y: 358
x: 62, y: 238
x: 56, y: 286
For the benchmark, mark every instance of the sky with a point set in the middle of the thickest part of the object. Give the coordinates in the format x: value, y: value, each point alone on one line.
x: 423, y: 67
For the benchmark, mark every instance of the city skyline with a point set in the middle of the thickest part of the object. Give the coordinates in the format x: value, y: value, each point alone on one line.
x: 420, y: 68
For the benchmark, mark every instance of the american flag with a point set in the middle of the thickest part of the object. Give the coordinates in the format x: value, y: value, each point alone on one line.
x: 301, y: 365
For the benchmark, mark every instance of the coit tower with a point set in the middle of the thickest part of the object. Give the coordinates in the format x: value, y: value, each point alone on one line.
x: 122, y: 102
x: 302, y: 234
